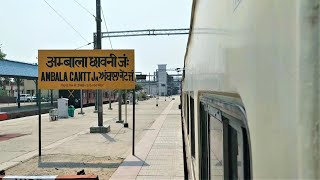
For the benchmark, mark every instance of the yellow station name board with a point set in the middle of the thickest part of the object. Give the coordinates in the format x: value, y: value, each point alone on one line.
x: 86, y: 69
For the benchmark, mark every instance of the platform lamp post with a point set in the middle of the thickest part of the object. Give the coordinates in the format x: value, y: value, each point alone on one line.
x: 149, y: 84
x: 157, y: 98
x: 157, y: 80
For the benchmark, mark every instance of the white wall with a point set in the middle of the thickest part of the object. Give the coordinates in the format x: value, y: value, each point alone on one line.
x: 162, y: 79
x: 31, y: 86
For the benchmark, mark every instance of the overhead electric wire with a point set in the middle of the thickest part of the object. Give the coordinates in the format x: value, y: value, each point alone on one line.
x: 64, y: 19
x: 84, y: 8
x: 84, y: 45
x: 105, y: 23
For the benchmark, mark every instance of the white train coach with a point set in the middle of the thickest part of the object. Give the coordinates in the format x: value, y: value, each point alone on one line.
x: 251, y: 90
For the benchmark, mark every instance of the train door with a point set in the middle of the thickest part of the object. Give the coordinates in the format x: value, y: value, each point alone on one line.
x: 87, y: 97
x: 90, y: 96
x: 84, y: 97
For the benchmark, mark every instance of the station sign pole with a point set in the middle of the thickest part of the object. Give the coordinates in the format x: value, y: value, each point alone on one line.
x: 133, y: 119
x: 39, y: 116
x: 119, y: 107
x: 126, y: 112
x: 110, y: 92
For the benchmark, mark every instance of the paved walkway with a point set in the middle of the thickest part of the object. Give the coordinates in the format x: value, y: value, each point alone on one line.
x: 159, y: 153
x: 71, y: 136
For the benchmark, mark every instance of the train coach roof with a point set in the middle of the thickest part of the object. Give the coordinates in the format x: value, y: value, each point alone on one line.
x: 15, y: 69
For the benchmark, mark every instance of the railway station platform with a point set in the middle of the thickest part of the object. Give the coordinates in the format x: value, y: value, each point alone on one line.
x: 11, y: 111
x: 159, y: 154
x: 68, y: 146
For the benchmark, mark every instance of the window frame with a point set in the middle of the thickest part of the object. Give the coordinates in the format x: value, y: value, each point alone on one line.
x: 192, y: 128
x: 188, y: 114
x: 204, y: 139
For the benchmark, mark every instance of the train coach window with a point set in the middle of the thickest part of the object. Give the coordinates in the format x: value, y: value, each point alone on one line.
x: 187, y: 120
x: 246, y: 155
x: 224, y: 145
x: 233, y: 153
x: 204, y: 143
x: 216, y: 148
x: 192, y: 127
x: 237, y: 149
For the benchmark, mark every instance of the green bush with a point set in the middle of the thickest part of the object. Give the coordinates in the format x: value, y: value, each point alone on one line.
x: 3, y: 92
x: 142, y: 96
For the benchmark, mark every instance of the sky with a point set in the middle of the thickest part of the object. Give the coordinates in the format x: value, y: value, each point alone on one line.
x: 27, y: 26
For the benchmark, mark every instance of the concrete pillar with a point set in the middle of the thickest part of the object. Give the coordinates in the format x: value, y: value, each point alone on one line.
x: 18, y: 89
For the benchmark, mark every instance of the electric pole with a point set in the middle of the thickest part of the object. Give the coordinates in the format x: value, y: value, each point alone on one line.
x: 97, y: 42
x: 149, y: 84
x: 98, y: 20
x: 96, y: 91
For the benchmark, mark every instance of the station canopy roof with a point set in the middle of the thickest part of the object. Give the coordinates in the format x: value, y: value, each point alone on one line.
x: 15, y: 69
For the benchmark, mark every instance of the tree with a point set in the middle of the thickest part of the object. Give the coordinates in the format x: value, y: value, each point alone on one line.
x: 2, y: 55
x: 138, y: 87
x: 14, y: 82
x: 142, y: 96
x: 3, y: 82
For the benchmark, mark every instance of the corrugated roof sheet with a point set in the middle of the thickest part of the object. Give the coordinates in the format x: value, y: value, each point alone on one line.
x: 18, y: 69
